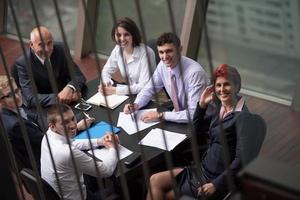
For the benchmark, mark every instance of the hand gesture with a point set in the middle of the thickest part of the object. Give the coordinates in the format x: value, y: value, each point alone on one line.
x: 206, y: 96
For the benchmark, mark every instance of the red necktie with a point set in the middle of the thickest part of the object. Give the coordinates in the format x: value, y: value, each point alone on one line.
x: 174, y: 92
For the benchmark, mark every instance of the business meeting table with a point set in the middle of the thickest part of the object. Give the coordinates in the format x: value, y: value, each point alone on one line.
x: 154, y: 157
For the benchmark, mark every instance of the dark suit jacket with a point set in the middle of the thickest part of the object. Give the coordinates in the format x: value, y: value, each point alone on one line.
x: 13, y: 129
x: 46, y: 96
x: 206, y: 121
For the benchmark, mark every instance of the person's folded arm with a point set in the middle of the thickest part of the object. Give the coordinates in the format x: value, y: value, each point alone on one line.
x: 86, y: 164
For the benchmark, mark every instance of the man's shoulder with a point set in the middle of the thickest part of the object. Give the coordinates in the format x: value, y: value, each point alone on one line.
x: 21, y: 59
x: 190, y: 63
x: 10, y: 119
x: 58, y: 47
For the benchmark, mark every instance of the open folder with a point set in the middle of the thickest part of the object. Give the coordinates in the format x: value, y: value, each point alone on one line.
x: 112, y: 100
x: 97, y: 131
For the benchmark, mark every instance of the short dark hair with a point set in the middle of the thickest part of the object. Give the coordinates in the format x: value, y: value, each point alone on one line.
x: 168, y: 38
x: 55, y: 111
x: 130, y: 26
x: 229, y: 72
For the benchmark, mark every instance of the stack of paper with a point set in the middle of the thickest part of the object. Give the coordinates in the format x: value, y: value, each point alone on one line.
x: 101, y: 154
x: 112, y: 100
x: 155, y: 138
x: 132, y: 126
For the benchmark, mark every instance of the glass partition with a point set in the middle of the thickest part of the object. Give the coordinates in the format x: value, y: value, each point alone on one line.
x: 46, y: 16
x: 261, y: 38
x: 155, y: 18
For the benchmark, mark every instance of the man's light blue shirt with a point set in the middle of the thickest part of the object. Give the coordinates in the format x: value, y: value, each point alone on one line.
x: 190, y: 85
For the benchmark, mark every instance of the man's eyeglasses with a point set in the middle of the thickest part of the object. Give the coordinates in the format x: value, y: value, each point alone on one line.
x: 11, y: 94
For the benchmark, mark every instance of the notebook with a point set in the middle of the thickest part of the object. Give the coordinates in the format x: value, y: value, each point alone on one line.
x: 112, y: 100
x: 97, y: 131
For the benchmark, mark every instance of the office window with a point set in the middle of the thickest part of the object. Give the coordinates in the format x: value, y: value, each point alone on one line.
x: 261, y: 38
x: 155, y: 17
x: 47, y: 16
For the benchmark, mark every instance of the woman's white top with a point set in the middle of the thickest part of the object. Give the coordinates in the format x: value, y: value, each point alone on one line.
x: 138, y: 70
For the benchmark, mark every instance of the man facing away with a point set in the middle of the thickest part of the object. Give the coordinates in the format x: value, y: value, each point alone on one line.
x: 53, y: 54
x: 184, y: 85
x: 62, y: 129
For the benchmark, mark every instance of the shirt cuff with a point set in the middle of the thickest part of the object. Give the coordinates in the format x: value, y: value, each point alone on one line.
x: 72, y: 87
x: 122, y: 90
x: 94, y: 142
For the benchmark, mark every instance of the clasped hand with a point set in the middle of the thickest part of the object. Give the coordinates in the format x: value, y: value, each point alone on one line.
x: 207, y: 189
x: 109, y: 140
x: 67, y: 95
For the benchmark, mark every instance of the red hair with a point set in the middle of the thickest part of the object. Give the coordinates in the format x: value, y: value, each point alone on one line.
x: 230, y: 73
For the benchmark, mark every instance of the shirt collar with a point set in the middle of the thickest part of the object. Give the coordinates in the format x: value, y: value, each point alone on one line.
x: 175, y: 70
x: 40, y: 59
x: 238, y: 108
x: 135, y: 53
x: 58, y: 136
x: 239, y: 105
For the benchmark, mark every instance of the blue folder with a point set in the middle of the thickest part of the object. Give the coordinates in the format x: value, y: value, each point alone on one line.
x: 98, y: 130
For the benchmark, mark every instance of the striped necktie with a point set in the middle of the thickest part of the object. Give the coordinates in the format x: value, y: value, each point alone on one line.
x: 174, y: 92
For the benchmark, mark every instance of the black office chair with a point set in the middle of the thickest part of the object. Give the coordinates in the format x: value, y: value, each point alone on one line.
x: 152, y: 45
x: 31, y: 183
x: 251, y: 132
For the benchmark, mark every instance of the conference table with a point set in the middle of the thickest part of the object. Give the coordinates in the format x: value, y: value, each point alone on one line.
x: 153, y: 157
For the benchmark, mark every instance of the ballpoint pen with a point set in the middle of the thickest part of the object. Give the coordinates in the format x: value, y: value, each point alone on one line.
x: 131, y: 113
x: 87, y: 115
x: 82, y: 100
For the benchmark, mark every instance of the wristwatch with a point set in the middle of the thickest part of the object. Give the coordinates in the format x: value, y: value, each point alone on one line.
x: 161, y: 115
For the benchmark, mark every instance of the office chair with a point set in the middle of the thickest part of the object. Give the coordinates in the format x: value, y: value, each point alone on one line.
x: 152, y: 45
x: 251, y: 133
x: 31, y: 183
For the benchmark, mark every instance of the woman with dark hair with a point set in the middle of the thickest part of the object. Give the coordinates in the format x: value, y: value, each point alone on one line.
x: 218, y: 112
x: 130, y: 57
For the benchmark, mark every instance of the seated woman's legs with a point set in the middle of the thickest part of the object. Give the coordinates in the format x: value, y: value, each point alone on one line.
x: 161, y: 185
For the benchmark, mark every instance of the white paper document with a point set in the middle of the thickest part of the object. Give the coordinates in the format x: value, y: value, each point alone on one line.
x: 155, y: 138
x: 102, y: 153
x: 112, y: 100
x: 125, y: 121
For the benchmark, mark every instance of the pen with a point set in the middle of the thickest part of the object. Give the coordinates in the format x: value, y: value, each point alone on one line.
x: 87, y: 115
x: 82, y: 100
x: 131, y: 113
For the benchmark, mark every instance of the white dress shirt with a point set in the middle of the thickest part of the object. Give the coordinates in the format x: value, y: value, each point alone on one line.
x: 137, y: 68
x: 65, y: 169
x: 194, y: 78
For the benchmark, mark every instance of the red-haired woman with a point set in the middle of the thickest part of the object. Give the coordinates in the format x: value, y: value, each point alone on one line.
x: 218, y: 111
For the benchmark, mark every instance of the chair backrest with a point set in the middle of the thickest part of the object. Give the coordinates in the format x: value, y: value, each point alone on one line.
x: 252, y: 133
x: 31, y: 183
x: 152, y: 45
